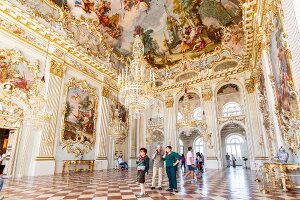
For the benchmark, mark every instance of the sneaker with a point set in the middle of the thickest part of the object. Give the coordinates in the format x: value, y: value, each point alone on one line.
x: 140, y: 195
x: 152, y: 188
x: 169, y: 189
x: 176, y: 191
x: 160, y: 188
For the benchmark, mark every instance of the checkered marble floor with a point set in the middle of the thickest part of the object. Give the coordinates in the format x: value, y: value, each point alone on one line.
x: 215, y: 184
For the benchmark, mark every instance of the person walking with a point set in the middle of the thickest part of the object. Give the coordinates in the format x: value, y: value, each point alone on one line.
x: 182, y: 162
x: 142, y: 168
x: 158, y: 166
x: 190, y: 161
x: 227, y: 156
x: 170, y: 158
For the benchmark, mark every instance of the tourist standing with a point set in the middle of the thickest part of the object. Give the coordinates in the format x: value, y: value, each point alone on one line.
x: 190, y: 163
x: 233, y: 160
x: 201, y: 161
x: 227, y: 156
x: 170, y: 158
x: 158, y: 166
x: 202, y: 156
x: 142, y: 168
x: 182, y: 162
x: 116, y: 161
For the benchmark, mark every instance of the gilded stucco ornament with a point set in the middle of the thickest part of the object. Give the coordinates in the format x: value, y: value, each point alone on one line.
x: 21, y: 89
x: 286, y: 100
x: 169, y: 102
x: 57, y: 68
x: 207, y: 94
x: 250, y: 85
x: 105, y: 92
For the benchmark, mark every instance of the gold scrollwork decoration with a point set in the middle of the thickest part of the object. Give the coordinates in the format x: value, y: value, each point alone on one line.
x: 207, y: 94
x: 56, y: 68
x: 169, y: 102
x: 105, y: 92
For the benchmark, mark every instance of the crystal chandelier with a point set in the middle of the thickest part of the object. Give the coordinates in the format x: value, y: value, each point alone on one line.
x: 187, y: 123
x: 137, y: 82
x: 117, y: 128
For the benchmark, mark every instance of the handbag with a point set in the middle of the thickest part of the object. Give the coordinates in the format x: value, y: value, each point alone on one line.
x: 141, y: 168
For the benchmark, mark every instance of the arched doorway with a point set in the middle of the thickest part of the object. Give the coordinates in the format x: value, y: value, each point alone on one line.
x: 233, y: 139
x: 190, y: 112
x: 190, y: 141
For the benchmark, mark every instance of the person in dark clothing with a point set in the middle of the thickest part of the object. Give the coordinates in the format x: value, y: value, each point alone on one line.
x: 172, y: 159
x: 142, y: 168
x: 182, y: 162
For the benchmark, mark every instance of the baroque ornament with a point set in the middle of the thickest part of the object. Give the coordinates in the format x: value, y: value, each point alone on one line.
x: 207, y: 94
x: 21, y: 90
x: 57, y: 69
x: 169, y: 102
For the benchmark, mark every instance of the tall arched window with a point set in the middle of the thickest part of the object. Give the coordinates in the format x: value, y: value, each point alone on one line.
x: 233, y: 145
x: 181, y: 147
x: 199, y: 145
x: 231, y: 108
x: 197, y: 113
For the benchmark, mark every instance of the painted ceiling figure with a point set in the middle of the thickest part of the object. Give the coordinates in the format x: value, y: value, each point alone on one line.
x: 86, y: 5
x: 215, y: 9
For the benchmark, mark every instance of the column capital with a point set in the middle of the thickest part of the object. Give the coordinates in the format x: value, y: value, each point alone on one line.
x: 57, y: 68
x: 207, y: 94
x: 105, y: 92
x: 250, y: 84
x: 169, y: 102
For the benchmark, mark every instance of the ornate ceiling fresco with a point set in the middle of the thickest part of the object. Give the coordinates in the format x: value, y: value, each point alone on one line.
x: 169, y: 28
x: 201, y: 32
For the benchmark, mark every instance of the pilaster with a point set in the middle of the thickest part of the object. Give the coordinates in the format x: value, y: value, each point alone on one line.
x: 254, y: 128
x: 270, y: 96
x: 171, y: 136
x: 45, y: 156
x: 102, y: 131
x: 212, y: 160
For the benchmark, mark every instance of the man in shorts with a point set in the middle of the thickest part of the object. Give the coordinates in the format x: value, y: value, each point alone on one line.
x: 190, y: 163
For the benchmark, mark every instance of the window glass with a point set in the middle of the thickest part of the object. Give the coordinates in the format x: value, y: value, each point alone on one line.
x: 197, y: 114
x: 231, y: 109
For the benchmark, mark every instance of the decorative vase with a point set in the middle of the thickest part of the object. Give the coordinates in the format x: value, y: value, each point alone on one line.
x: 282, y: 155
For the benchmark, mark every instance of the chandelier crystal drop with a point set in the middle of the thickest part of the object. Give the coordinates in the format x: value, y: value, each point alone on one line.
x: 137, y: 82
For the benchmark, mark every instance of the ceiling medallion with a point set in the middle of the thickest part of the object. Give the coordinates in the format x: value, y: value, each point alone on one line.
x: 137, y: 82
